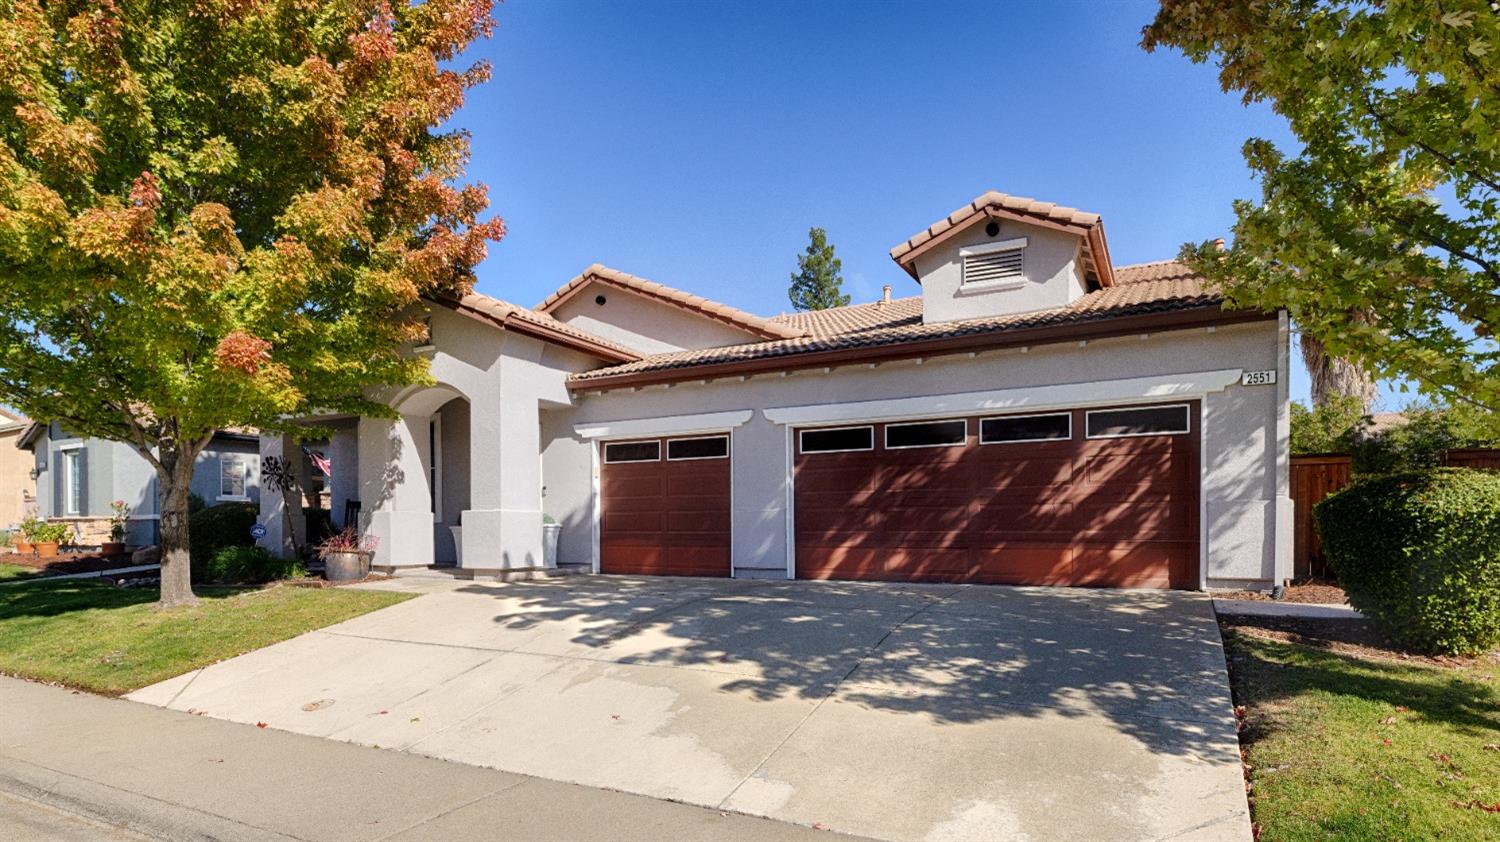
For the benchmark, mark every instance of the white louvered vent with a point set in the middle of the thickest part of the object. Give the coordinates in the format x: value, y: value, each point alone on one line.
x: 1003, y: 265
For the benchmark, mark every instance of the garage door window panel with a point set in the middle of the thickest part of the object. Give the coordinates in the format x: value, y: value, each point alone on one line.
x: 1015, y: 429
x: 921, y: 434
x: 707, y: 447
x: 1142, y: 421
x: 620, y: 452
x: 837, y: 440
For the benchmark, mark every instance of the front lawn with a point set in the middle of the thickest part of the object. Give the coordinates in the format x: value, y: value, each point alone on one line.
x: 1346, y: 739
x: 94, y: 636
x: 9, y: 572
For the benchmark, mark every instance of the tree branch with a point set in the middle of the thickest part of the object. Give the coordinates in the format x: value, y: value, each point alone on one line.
x: 1452, y: 162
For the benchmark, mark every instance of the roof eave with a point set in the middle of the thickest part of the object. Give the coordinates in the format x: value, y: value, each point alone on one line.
x: 906, y: 258
x: 539, y: 331
x: 1183, y: 318
x: 604, y: 275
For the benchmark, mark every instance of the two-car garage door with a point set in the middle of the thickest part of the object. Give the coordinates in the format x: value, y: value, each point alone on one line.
x: 1103, y: 497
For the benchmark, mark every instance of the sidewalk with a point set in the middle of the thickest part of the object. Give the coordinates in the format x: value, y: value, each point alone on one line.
x: 74, y: 765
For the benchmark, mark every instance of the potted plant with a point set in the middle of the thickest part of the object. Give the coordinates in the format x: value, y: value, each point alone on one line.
x: 24, y: 534
x: 346, y: 555
x: 116, y: 543
x: 47, y: 537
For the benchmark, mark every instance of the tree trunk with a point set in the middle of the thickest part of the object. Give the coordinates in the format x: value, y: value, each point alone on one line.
x: 176, y: 476
x: 1334, y: 376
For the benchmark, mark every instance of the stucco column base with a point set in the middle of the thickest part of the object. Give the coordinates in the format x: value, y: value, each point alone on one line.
x: 405, y: 538
x: 502, y: 539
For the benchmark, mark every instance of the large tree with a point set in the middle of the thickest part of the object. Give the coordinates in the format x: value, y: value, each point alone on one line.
x: 818, y: 282
x: 1381, y: 233
x: 224, y: 213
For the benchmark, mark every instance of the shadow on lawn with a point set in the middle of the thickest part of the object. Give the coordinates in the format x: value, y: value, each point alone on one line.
x: 1267, y: 672
x: 44, y: 598
x: 1148, y: 661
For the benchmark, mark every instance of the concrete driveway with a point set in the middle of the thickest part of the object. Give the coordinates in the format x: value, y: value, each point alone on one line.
x: 900, y: 712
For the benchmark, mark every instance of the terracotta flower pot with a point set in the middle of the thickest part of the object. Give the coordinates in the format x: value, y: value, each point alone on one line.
x: 112, y: 548
x: 46, y: 549
x: 23, y: 546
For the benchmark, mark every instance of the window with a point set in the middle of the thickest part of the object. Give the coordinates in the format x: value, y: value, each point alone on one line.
x: 632, y: 451
x: 710, y: 447
x: 1145, y: 421
x: 74, y: 480
x: 1002, y: 263
x: 837, y: 440
x: 1015, y: 428
x: 926, y: 434
x: 234, y: 474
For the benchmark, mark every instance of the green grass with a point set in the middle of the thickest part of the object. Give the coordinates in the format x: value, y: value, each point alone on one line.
x: 98, y: 637
x: 1357, y: 748
x: 17, y: 571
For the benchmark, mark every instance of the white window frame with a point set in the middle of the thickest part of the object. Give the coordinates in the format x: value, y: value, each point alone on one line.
x: 1067, y: 415
x: 803, y: 451
x: 71, y: 508
x: 435, y: 470
x: 244, y: 462
x: 1187, y: 430
x: 671, y: 458
x: 604, y: 457
x: 964, y: 442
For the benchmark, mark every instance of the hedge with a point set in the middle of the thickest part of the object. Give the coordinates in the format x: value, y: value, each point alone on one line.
x: 1419, y: 554
x: 216, y: 527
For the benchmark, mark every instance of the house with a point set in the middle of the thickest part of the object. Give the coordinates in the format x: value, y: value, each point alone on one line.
x: 15, y: 470
x: 77, y: 479
x: 1035, y: 414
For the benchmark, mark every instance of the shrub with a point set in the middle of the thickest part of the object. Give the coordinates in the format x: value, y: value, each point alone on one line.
x: 5, y: 540
x: 1419, y: 554
x: 217, y: 527
x: 196, y: 503
x: 249, y: 565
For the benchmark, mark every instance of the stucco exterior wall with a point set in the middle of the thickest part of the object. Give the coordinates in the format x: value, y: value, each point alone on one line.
x: 644, y: 324
x: 16, y: 487
x: 1246, y: 511
x: 1051, y: 264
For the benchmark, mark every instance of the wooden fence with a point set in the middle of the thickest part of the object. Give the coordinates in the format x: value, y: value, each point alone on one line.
x: 1314, y: 477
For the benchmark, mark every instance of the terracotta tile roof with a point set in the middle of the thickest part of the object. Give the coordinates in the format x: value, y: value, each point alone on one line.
x: 1142, y: 289
x: 661, y: 292
x: 996, y: 204
x: 506, y: 314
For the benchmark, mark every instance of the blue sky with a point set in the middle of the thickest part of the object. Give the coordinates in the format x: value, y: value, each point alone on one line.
x: 694, y: 143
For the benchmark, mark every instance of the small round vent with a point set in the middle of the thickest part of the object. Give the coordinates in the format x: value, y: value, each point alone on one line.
x: 992, y: 230
x: 599, y: 299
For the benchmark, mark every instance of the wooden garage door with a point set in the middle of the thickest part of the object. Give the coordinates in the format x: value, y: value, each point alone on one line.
x: 1099, y: 497
x: 665, y: 506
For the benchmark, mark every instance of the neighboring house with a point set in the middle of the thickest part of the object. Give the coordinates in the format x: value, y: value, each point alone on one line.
x: 15, y: 470
x: 1035, y: 415
x: 78, y: 478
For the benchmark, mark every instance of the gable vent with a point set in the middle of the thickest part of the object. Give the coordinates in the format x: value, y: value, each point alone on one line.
x: 994, y: 266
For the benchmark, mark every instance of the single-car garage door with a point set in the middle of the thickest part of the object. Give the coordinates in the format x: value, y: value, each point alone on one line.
x: 1104, y: 497
x: 665, y: 506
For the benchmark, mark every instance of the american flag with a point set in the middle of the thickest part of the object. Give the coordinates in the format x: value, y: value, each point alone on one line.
x: 319, y: 461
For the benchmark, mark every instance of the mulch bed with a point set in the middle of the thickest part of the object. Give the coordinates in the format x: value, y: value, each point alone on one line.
x: 1314, y: 591
x: 1355, y: 638
x: 68, y: 562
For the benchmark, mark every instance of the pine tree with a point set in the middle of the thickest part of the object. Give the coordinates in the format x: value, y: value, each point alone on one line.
x: 818, y: 282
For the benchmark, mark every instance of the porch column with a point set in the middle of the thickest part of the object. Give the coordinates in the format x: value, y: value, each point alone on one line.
x: 502, y: 529
x: 281, y: 512
x: 343, y: 486
x: 396, y: 507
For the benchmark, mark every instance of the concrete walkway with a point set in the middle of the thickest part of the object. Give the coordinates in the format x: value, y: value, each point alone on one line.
x: 1273, y: 608
x: 79, y: 767
x: 900, y: 712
